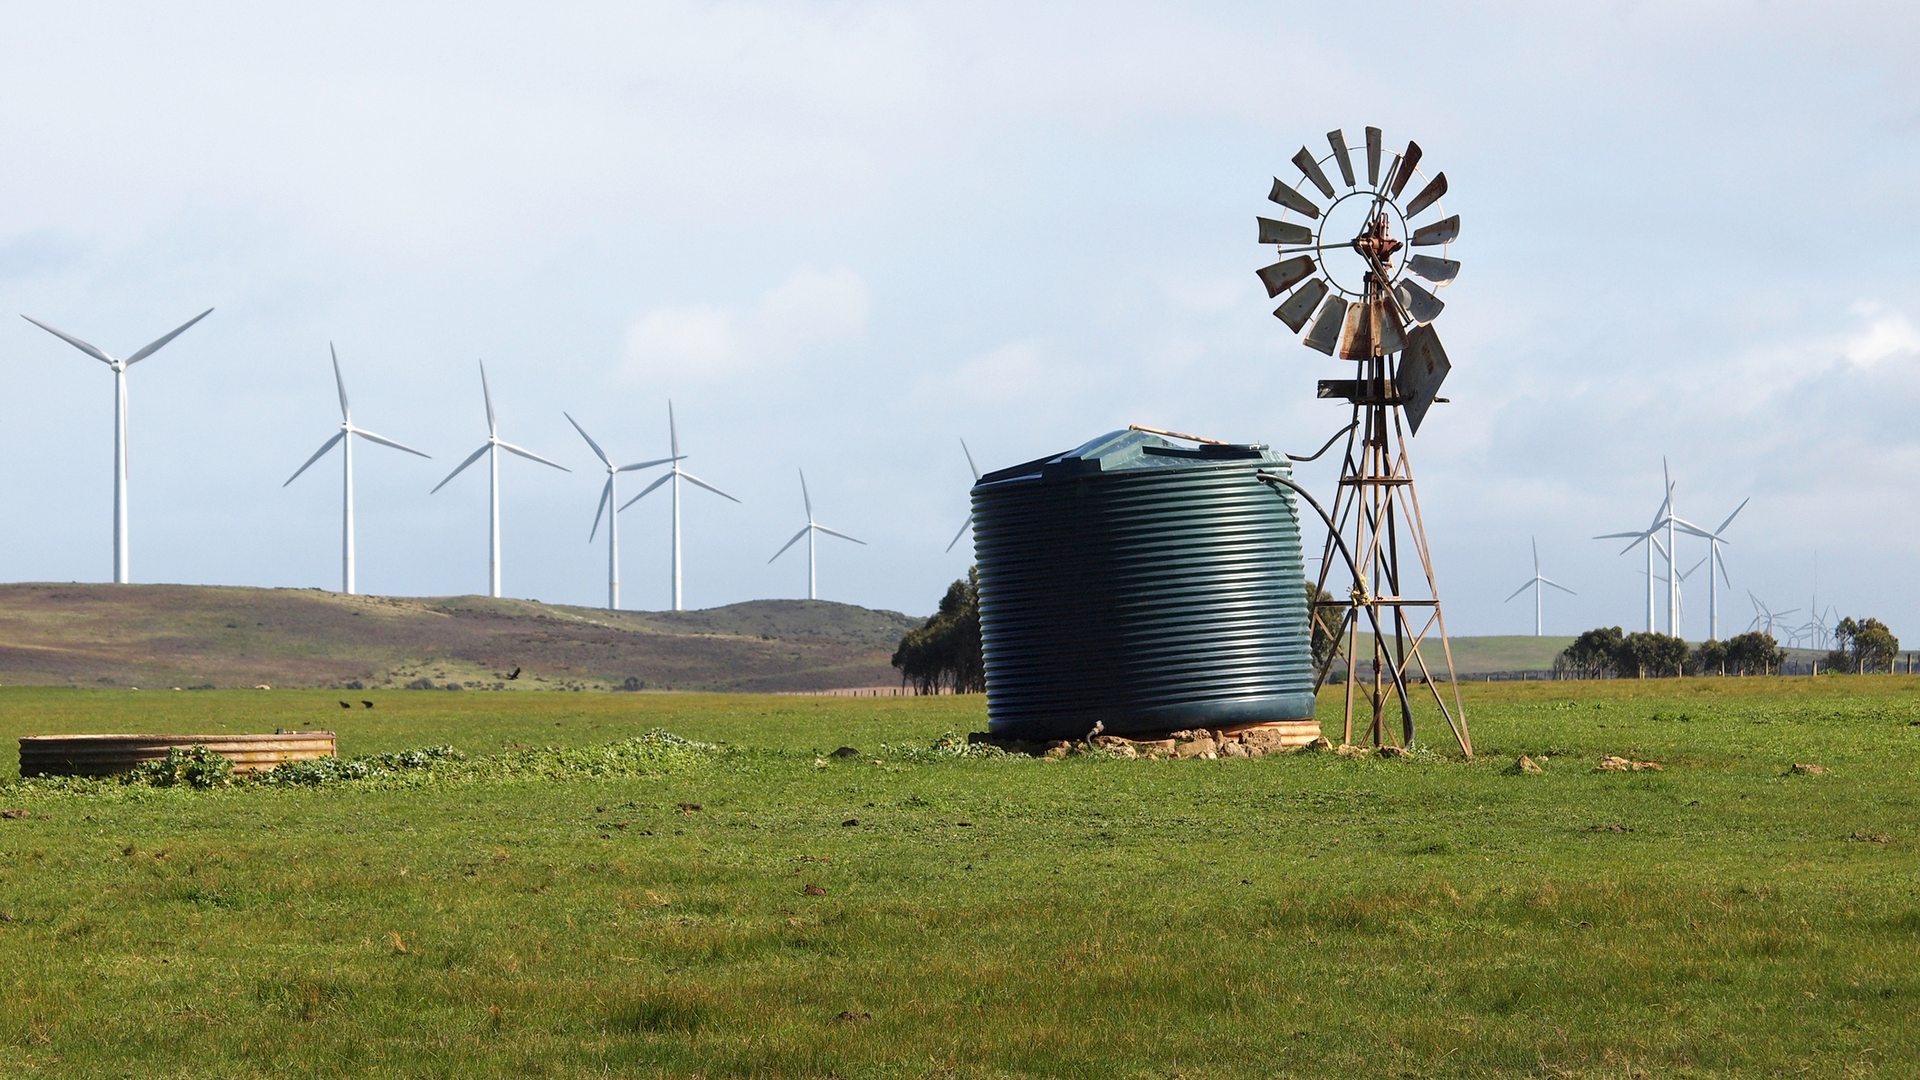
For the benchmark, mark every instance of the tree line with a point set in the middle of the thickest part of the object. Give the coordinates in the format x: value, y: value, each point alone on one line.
x: 1865, y: 645
x: 944, y: 654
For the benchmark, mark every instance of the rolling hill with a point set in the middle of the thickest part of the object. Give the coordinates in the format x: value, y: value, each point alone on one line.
x: 197, y: 636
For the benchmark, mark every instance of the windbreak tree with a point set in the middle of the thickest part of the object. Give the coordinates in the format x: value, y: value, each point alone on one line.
x: 1592, y: 654
x: 1650, y: 655
x: 945, y: 652
x: 1862, y: 645
x: 1754, y: 653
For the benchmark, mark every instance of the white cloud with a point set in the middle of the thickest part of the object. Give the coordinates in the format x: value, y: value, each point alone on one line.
x: 808, y: 309
x: 1887, y: 332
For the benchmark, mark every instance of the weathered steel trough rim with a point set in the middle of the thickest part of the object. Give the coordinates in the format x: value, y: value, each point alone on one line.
x: 107, y: 754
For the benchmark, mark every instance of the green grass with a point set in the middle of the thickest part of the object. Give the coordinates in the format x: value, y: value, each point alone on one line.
x: 1297, y: 916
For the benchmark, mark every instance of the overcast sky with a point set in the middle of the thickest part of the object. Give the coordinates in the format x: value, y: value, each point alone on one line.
x: 842, y: 237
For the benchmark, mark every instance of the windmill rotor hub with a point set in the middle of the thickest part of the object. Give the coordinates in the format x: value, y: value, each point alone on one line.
x: 1376, y: 244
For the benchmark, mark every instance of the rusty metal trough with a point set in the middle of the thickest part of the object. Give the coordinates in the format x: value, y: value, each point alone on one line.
x: 108, y: 755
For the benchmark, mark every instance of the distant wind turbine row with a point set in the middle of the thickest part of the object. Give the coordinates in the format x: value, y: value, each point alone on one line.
x: 609, y: 506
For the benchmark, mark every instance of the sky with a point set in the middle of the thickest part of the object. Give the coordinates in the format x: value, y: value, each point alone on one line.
x: 842, y: 237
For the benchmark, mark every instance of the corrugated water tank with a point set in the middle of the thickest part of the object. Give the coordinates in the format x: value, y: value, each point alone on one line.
x: 1141, y: 585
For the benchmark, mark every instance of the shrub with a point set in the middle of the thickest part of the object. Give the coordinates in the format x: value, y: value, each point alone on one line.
x: 194, y: 767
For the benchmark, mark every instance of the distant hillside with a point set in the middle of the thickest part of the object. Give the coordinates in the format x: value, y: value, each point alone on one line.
x: 183, y: 635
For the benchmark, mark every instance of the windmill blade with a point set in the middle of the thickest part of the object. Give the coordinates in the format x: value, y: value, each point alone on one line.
x: 1643, y: 538
x: 1386, y: 330
x: 155, y: 346
x: 317, y: 455
x: 1423, y: 367
x: 963, y: 531
x: 1420, y: 305
x: 841, y: 535
x: 673, y: 431
x: 1355, y: 334
x: 790, y: 543
x: 697, y: 482
x: 1689, y: 572
x: 606, y: 498
x: 471, y: 458
x: 1438, y: 271
x: 1325, y: 335
x: 1296, y: 309
x: 1283, y: 232
x: 384, y: 441
x: 1730, y: 517
x: 1373, y: 156
x: 1722, y: 561
x: 1338, y: 140
x: 71, y: 340
x: 805, y: 495
x: 1619, y: 536
x: 1285, y: 274
x: 1536, y: 555
x: 597, y: 452
x: 1404, y: 173
x: 970, y: 464
x: 340, y: 383
x: 1304, y: 161
x: 1292, y: 199
x: 1429, y: 195
x: 648, y: 490
x: 644, y: 464
x: 487, y: 392
x: 1559, y: 586
x: 1444, y: 231
x: 1518, y: 591
x: 531, y: 456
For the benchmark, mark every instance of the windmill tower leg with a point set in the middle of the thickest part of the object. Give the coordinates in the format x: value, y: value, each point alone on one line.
x: 346, y: 516
x: 120, y: 571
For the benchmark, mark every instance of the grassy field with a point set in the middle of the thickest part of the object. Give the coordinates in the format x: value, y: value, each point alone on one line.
x: 764, y: 909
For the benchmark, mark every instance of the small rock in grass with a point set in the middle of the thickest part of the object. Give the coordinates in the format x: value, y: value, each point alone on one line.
x: 814, y: 890
x: 850, y: 823
x: 1318, y: 744
x: 1391, y: 751
x: 1234, y: 750
x: 1809, y: 770
x: 14, y: 814
x: 1526, y: 764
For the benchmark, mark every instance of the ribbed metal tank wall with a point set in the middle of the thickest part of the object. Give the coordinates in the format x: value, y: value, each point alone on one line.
x: 1141, y: 585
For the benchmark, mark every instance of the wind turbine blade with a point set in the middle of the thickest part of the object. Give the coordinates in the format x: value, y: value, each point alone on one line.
x: 692, y: 479
x: 804, y: 495
x: 648, y: 490
x: 1643, y: 537
x: 71, y: 340
x: 790, y: 543
x: 1730, y: 517
x: 531, y: 456
x: 475, y: 456
x: 673, y: 430
x: 963, y: 531
x: 597, y: 452
x: 1519, y: 590
x: 317, y: 455
x: 1536, y: 555
x: 487, y: 392
x: 340, y: 383
x: 1722, y: 561
x: 384, y: 441
x: 976, y: 468
x: 606, y: 496
x: 1689, y: 573
x: 841, y: 535
x: 155, y: 347
x: 1619, y: 536
x: 1559, y: 586
x: 644, y: 464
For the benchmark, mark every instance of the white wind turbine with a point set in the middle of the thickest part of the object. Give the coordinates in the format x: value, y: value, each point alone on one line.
x: 492, y: 448
x: 1650, y: 537
x: 1714, y: 540
x: 1764, y: 617
x: 808, y: 531
x: 608, y: 497
x: 1534, y: 583
x: 675, y: 475
x: 346, y: 449
x: 967, y: 524
x: 120, y: 554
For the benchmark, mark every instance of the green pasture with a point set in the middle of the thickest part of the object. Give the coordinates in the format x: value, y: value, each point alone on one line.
x: 936, y: 914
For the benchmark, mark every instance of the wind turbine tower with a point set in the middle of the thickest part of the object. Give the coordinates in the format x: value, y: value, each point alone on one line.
x: 674, y: 476
x: 608, y: 497
x: 492, y: 448
x: 119, y: 367
x: 1534, y: 583
x: 345, y: 439
x: 1650, y: 537
x: 1714, y: 540
x: 808, y: 531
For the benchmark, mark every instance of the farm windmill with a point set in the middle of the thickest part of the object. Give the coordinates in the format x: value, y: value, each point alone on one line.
x: 1338, y: 268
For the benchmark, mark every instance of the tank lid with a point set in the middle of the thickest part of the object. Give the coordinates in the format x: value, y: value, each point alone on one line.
x: 1128, y: 449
